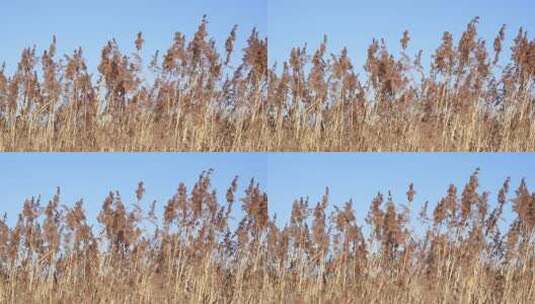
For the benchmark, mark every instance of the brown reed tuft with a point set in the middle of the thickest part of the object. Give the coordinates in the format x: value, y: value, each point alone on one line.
x: 193, y: 98
x: 196, y: 251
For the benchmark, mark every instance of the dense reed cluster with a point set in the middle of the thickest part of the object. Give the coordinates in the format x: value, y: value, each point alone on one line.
x: 466, y: 100
x: 193, y: 98
x: 470, y: 247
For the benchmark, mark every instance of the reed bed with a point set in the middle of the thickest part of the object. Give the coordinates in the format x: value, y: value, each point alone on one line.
x: 468, y: 247
x: 193, y: 97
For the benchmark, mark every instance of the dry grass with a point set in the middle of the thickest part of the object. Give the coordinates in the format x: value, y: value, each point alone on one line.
x: 467, y: 100
x: 464, y: 251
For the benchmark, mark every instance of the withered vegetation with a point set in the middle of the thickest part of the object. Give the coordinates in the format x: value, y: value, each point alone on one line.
x: 197, y: 99
x: 473, y: 247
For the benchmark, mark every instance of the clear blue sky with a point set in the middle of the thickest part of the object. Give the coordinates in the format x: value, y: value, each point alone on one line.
x: 287, y: 23
x: 284, y: 176
x: 92, y: 176
x: 91, y: 24
x: 354, y: 23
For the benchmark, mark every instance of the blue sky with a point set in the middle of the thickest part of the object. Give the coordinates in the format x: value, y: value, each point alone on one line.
x: 354, y: 23
x: 92, y: 176
x: 90, y: 24
x: 287, y: 23
x: 284, y: 176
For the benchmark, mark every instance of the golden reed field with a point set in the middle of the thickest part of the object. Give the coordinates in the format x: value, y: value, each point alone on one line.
x: 193, y: 97
x: 472, y: 247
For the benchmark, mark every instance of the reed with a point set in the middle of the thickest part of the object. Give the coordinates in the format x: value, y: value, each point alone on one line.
x: 196, y: 98
x: 464, y: 250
